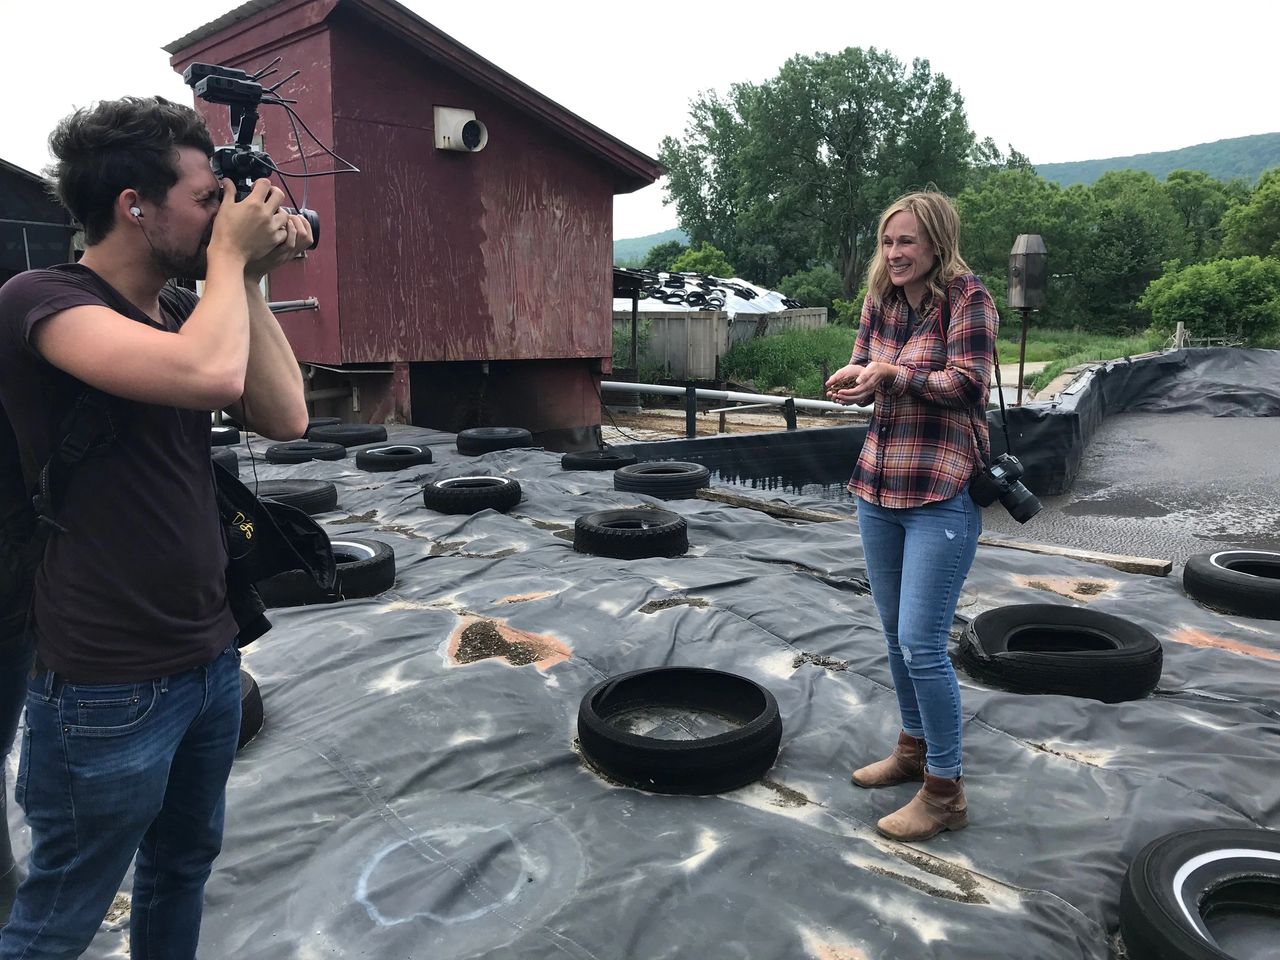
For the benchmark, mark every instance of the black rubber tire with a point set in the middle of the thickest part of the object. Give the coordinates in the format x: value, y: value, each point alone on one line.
x: 631, y: 534
x: 224, y: 436
x: 710, y: 765
x: 366, y: 568
x: 226, y: 459
x: 471, y: 494
x: 302, y: 451
x: 478, y: 440
x: 251, y: 715
x: 309, y: 496
x: 596, y: 460
x: 1182, y: 890
x: 1060, y: 649
x: 382, y: 459
x: 320, y: 422
x: 667, y: 479
x: 348, y: 434
x: 1243, y: 582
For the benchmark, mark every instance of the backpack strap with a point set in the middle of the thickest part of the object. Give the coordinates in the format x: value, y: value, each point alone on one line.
x: 87, y: 428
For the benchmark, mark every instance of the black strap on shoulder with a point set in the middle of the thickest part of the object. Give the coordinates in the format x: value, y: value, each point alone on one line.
x: 88, y: 427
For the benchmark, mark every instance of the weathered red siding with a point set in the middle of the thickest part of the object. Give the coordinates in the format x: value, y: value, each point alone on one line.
x: 501, y: 254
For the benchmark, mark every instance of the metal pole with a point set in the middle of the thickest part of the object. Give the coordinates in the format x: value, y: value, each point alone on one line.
x: 26, y: 249
x: 635, y: 312
x: 1022, y: 351
x: 690, y: 411
x: 789, y: 412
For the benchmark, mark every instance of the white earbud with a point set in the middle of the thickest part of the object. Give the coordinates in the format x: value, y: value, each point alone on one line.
x: 136, y: 211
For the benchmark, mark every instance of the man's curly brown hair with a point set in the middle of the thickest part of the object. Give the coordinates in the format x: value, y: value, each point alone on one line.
x: 116, y: 145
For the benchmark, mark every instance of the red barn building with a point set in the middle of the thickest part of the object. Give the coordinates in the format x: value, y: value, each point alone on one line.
x: 454, y: 288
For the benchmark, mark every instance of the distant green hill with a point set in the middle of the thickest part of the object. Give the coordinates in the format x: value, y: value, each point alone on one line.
x: 637, y: 247
x: 1244, y: 157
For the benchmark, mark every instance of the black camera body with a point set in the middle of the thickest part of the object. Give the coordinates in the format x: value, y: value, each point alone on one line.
x: 1002, y: 480
x: 239, y: 161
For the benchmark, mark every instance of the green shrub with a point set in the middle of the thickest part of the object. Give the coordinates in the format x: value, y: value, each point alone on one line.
x: 1238, y: 299
x: 817, y: 287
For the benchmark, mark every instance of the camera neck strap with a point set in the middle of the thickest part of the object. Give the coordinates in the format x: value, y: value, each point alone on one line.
x: 945, y: 324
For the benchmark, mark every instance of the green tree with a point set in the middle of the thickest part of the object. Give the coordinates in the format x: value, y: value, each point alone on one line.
x: 1253, y: 227
x: 662, y: 255
x: 1200, y: 202
x: 819, y: 286
x: 1237, y: 298
x: 798, y: 168
x: 1136, y: 230
x: 704, y: 259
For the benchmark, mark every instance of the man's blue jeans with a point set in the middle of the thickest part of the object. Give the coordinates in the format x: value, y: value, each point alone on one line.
x: 110, y: 770
x: 917, y: 561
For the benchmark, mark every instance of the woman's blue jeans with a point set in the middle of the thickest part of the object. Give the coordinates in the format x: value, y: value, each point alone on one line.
x: 110, y: 771
x: 917, y: 561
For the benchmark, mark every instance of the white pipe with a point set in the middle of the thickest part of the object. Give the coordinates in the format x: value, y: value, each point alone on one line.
x: 666, y: 391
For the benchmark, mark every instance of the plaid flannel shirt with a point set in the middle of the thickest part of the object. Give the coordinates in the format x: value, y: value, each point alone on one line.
x: 928, y: 433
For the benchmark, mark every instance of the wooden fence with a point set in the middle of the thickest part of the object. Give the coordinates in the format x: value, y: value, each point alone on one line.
x: 685, y: 344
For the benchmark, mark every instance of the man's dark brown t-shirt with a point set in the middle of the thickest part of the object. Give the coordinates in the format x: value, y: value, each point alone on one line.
x: 135, y: 588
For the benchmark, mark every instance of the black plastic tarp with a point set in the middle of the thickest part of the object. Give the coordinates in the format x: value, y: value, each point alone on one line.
x: 414, y: 795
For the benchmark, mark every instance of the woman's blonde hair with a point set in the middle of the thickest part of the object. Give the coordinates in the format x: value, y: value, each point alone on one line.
x: 939, y: 226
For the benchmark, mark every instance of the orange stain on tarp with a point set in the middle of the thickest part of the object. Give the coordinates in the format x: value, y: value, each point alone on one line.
x: 825, y: 952
x: 526, y: 597
x: 1198, y: 638
x: 486, y: 638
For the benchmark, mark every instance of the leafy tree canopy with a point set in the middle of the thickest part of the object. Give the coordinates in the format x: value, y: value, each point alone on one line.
x: 1253, y: 227
x: 704, y: 259
x: 799, y: 167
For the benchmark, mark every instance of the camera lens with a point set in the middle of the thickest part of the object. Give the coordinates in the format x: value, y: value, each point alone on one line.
x: 1021, y: 503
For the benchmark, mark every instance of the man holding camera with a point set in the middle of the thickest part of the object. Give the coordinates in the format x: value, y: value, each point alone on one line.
x: 133, y: 706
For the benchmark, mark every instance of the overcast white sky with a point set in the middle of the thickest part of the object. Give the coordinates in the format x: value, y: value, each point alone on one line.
x: 1072, y: 80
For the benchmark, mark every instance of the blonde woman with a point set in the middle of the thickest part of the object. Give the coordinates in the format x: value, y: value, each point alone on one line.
x: 924, y: 354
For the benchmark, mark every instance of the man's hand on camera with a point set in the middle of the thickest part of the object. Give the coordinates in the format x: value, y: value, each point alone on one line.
x: 297, y: 240
x: 253, y: 228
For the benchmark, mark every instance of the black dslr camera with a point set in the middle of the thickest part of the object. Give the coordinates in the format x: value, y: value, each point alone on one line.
x: 242, y: 92
x: 1002, y: 481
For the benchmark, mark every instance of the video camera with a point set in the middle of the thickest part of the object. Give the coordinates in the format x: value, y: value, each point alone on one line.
x: 239, y: 161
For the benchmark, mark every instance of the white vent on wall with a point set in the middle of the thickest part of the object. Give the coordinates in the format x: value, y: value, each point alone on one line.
x: 458, y: 129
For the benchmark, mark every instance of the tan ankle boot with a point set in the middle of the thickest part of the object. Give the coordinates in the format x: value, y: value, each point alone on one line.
x: 940, y: 805
x: 904, y: 764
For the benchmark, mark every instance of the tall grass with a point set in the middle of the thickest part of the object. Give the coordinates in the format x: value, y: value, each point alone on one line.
x: 793, y: 360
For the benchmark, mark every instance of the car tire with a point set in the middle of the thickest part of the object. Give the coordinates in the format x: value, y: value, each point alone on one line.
x: 302, y: 451
x: 631, y: 534
x: 366, y: 568
x: 1201, y: 894
x: 224, y: 436
x: 319, y: 422
x: 477, y: 440
x: 1057, y: 649
x: 348, y: 434
x: 666, y: 479
x: 226, y: 459
x: 251, y: 714
x: 1242, y: 582
x: 309, y: 496
x: 703, y: 766
x: 471, y: 494
x: 596, y: 460
x: 398, y: 457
